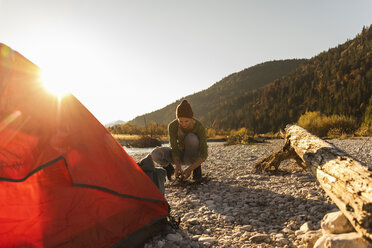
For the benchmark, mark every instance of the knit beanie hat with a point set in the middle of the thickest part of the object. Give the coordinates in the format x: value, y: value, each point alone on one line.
x: 184, y: 110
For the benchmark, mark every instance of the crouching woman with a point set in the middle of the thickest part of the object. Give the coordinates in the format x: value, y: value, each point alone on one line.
x: 188, y: 145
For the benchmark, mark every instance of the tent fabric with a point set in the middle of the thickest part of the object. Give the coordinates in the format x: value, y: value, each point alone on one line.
x: 64, y: 180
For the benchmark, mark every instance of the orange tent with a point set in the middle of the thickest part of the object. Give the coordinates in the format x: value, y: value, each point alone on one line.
x: 64, y: 180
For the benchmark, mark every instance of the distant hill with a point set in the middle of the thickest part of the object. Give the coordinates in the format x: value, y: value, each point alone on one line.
x: 270, y: 95
x: 338, y: 81
x: 234, y: 85
x: 118, y: 122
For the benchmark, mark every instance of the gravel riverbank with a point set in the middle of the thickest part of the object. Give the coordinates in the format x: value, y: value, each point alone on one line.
x: 237, y: 208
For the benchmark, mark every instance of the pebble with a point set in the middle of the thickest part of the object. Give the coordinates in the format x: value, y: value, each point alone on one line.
x: 193, y: 221
x: 299, y: 232
x: 174, y: 237
x: 207, y: 239
x: 229, y: 218
x: 161, y: 243
x: 283, y: 241
x: 258, y: 238
x: 246, y: 228
x: 305, y: 227
x: 237, y: 208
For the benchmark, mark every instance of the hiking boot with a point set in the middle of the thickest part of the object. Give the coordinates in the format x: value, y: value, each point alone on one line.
x: 170, y: 171
x: 197, y: 174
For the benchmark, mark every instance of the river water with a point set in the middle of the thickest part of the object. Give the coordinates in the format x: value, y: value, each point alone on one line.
x: 134, y: 151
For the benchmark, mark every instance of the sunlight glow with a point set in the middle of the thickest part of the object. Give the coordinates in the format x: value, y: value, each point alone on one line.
x: 55, y: 83
x: 75, y: 69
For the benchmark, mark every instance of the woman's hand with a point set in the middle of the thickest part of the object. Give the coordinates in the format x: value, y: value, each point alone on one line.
x: 178, y: 171
x: 186, y: 173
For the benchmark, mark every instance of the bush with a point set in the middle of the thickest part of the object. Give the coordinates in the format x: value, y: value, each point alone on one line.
x: 144, y: 142
x: 322, y: 125
x: 366, y: 127
x: 241, y: 136
x: 364, y: 131
x: 211, y: 132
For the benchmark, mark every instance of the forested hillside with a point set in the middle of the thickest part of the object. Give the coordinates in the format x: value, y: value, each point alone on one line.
x: 337, y: 81
x: 207, y: 101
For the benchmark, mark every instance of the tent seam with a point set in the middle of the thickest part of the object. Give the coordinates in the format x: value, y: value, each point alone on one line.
x: 78, y: 184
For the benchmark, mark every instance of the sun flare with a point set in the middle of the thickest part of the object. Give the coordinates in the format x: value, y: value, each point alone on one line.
x: 55, y: 83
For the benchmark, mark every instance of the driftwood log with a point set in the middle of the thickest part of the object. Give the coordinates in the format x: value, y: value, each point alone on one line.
x: 346, y: 181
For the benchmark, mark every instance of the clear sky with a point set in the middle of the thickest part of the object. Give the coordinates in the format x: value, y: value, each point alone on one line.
x: 124, y: 58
